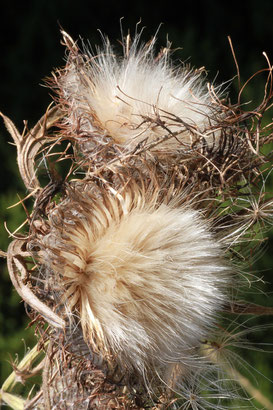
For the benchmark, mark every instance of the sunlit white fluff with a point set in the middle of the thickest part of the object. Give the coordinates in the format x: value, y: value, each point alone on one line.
x: 136, y: 97
x: 146, y: 280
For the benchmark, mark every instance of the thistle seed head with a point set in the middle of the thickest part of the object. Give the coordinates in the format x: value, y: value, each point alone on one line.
x: 135, y: 98
x: 145, y: 279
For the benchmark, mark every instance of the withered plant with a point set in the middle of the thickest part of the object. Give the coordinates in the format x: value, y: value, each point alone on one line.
x: 137, y: 250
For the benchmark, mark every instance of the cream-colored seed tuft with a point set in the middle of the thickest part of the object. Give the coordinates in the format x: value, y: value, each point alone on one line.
x: 139, y: 97
x: 146, y: 280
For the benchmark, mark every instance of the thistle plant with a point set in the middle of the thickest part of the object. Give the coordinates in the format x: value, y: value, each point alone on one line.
x: 136, y: 253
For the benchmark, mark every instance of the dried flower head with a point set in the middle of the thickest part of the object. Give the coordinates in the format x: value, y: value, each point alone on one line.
x: 146, y: 279
x: 136, y: 98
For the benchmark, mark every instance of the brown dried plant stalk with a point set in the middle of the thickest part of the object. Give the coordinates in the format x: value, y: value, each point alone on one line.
x: 139, y: 244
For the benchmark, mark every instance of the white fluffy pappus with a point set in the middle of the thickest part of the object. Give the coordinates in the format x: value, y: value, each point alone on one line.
x: 136, y: 97
x: 145, y: 279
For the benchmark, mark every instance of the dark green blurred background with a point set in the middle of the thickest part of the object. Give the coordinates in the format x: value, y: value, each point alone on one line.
x: 29, y: 50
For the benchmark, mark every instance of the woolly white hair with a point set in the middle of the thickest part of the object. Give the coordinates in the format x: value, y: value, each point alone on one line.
x: 137, y: 97
x: 146, y: 280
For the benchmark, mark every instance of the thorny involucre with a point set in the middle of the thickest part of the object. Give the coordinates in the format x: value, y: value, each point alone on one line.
x: 135, y: 252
